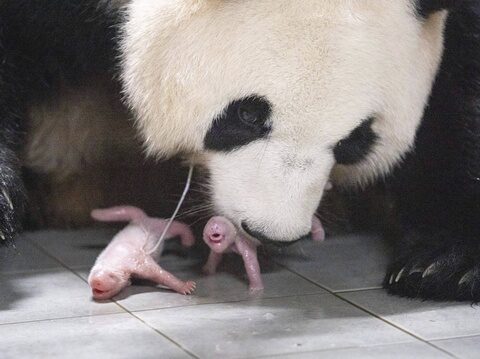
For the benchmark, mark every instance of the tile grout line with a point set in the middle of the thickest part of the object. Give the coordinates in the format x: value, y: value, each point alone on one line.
x: 159, y: 332
x: 113, y: 301
x: 43, y: 250
x: 272, y: 356
x: 65, y: 266
x: 369, y: 312
x: 466, y: 336
x: 323, y: 351
x: 329, y: 291
x: 397, y: 327
x: 74, y: 271
x: 18, y: 252
x: 29, y: 271
x: 344, y: 291
x: 61, y: 318
x: 228, y: 302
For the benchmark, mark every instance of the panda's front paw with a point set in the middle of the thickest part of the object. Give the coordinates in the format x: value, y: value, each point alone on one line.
x: 11, y: 211
x: 12, y: 204
x: 436, y: 273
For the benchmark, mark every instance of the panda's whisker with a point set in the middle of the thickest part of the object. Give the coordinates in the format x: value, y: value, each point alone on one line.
x: 263, y: 152
x: 201, y: 183
x: 199, y: 191
x: 200, y: 219
x: 197, y: 210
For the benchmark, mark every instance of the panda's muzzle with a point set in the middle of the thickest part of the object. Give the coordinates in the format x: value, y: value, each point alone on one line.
x: 266, y: 240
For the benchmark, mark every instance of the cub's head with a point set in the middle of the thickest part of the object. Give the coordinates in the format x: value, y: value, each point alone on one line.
x: 277, y: 96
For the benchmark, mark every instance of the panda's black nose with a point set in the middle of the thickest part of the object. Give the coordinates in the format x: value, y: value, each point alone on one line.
x: 267, y: 240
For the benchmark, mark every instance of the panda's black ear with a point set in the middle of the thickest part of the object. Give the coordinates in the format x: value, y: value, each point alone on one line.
x: 427, y: 7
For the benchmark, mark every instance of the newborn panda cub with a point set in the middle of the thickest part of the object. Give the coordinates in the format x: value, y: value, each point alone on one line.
x: 222, y: 237
x: 133, y: 253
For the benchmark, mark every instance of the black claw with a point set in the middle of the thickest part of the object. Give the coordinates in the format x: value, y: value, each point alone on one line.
x: 448, y: 274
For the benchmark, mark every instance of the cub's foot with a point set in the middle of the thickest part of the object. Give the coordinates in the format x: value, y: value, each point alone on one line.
x: 188, y: 288
x: 446, y: 273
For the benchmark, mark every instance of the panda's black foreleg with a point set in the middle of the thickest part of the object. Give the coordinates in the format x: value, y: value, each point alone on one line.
x: 12, y: 195
x: 12, y: 191
x: 439, y: 186
x: 438, y: 256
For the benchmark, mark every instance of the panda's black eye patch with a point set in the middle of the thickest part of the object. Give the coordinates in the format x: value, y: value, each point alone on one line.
x: 242, y: 122
x: 356, y: 146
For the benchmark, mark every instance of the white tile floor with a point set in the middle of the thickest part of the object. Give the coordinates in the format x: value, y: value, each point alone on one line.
x: 320, y: 301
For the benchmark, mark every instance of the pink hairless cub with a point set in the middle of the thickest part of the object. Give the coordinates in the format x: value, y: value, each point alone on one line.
x: 222, y: 237
x: 132, y: 253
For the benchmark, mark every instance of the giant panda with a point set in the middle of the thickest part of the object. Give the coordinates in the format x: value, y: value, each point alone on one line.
x: 275, y: 98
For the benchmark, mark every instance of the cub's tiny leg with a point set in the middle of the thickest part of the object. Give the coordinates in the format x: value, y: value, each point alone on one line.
x: 248, y: 251
x: 183, y: 231
x: 153, y: 272
x: 214, y: 259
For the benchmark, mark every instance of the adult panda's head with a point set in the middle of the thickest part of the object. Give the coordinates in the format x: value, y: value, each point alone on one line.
x: 276, y: 96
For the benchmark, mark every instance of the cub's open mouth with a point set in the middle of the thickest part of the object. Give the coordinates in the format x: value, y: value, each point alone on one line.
x: 216, y: 238
x: 99, y: 292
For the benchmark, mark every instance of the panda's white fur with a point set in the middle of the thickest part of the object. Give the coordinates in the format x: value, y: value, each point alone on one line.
x: 324, y: 66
